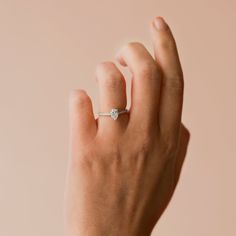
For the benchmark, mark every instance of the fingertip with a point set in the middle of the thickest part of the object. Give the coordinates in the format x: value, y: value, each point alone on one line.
x: 160, y: 24
x: 80, y: 104
x: 78, y: 97
x: 77, y: 92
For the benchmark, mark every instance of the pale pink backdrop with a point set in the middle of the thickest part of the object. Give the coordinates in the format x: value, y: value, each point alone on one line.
x: 48, y: 48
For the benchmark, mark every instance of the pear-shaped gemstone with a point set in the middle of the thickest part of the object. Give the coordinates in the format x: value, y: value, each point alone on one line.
x: 114, y: 114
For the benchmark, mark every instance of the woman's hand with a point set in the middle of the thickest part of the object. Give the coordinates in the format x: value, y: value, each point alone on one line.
x: 122, y: 173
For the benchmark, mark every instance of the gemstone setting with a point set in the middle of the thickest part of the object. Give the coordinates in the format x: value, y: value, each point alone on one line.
x: 114, y: 114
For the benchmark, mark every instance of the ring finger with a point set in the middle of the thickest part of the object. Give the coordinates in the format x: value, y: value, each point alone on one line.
x: 112, y: 95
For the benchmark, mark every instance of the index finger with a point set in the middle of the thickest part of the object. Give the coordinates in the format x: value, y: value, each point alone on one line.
x: 172, y: 84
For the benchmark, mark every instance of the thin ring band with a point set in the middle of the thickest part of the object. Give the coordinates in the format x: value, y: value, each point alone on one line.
x: 114, y: 113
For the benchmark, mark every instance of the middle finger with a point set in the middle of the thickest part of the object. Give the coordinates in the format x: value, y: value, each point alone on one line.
x: 145, y: 84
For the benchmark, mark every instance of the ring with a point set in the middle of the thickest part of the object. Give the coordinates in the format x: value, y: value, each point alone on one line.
x: 114, y: 113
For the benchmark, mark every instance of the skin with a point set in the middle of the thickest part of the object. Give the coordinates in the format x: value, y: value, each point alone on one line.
x: 122, y: 174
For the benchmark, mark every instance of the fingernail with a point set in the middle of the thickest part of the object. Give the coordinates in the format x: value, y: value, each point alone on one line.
x: 160, y: 23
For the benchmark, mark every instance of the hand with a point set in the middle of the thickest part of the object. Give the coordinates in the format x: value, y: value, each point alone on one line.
x: 122, y: 173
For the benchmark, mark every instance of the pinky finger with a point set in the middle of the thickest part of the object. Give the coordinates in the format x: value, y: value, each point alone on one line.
x: 82, y: 122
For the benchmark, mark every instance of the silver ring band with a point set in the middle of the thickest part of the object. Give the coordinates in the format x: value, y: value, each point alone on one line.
x: 114, y: 113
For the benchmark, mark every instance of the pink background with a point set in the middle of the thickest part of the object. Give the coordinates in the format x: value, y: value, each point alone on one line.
x: 48, y: 48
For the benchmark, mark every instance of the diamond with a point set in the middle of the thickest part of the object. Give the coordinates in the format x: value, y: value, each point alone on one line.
x: 114, y: 114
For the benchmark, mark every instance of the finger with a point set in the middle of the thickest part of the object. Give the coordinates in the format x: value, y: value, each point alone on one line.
x: 82, y: 121
x: 112, y: 95
x: 145, y: 83
x: 172, y: 85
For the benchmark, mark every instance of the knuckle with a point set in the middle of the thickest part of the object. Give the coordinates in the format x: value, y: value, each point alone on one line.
x: 148, y: 70
x: 146, y: 143
x: 169, y: 147
x: 113, y: 82
x: 175, y: 82
x: 110, y: 156
x: 83, y: 160
x: 77, y: 160
x: 168, y: 44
